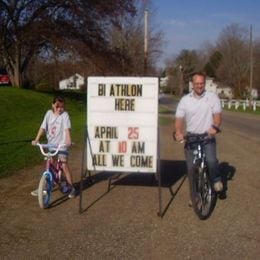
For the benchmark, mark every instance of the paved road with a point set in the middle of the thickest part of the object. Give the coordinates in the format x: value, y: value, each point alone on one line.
x: 243, y: 124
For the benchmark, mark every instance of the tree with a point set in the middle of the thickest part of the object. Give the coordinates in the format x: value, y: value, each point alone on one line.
x: 29, y: 28
x: 256, y: 65
x: 233, y: 44
x: 181, y: 68
x: 213, y: 64
x: 127, y: 41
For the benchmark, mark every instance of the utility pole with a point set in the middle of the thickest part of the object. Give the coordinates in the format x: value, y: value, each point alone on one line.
x: 181, y: 81
x: 145, y: 41
x: 251, y: 67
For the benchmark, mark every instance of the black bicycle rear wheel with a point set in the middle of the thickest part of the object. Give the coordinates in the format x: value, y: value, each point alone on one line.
x: 203, y: 196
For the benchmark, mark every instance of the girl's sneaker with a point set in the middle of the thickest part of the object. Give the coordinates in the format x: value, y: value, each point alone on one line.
x: 34, y: 192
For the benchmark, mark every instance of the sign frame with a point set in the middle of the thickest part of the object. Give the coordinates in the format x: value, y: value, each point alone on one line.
x: 122, y: 133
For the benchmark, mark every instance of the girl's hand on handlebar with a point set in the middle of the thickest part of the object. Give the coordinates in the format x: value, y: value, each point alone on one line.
x: 69, y: 144
x: 34, y: 142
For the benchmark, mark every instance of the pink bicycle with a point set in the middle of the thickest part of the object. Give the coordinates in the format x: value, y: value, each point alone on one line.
x: 53, y: 175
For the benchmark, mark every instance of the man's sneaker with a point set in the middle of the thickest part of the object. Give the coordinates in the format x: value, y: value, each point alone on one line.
x: 218, y: 186
x: 72, y: 193
x: 34, y: 192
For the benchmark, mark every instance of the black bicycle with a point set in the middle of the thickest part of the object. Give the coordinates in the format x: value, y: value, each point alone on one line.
x: 203, y: 195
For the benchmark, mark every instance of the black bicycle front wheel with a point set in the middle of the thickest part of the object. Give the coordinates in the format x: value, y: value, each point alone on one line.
x: 203, y: 196
x: 44, y: 190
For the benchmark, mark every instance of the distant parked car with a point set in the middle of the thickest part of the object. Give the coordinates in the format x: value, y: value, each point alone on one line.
x: 160, y: 97
x: 4, y: 78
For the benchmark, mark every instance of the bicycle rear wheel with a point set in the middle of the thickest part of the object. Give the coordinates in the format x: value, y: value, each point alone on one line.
x: 203, y: 196
x: 44, y: 190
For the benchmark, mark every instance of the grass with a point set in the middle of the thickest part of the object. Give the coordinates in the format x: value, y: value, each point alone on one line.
x: 240, y: 109
x: 21, y: 113
x: 164, y: 120
x: 164, y: 110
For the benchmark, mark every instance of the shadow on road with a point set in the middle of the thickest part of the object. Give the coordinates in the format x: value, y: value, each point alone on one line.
x: 173, y: 173
x: 227, y: 173
x: 59, y: 201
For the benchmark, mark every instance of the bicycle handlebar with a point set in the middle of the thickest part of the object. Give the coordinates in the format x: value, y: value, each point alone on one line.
x: 188, y: 136
x: 56, y: 148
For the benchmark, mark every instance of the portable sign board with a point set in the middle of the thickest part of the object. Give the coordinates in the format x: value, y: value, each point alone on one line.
x: 122, y: 124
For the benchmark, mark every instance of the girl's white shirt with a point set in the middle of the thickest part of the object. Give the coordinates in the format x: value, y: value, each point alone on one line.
x: 55, y: 126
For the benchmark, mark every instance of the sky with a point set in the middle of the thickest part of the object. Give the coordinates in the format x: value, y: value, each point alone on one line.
x: 188, y: 24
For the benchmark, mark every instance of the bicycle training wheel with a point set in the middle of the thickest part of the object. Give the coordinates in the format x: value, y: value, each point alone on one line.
x: 203, y: 196
x: 44, y: 191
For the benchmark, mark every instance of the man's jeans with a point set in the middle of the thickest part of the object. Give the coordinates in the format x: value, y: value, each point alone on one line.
x: 211, y: 159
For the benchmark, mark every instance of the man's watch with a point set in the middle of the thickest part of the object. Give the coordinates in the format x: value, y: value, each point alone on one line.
x: 216, y: 128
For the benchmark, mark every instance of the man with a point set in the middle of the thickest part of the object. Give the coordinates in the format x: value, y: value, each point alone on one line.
x: 200, y: 112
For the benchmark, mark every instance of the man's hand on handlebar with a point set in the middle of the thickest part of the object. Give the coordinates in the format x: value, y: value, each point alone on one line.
x: 213, y: 131
x: 179, y: 137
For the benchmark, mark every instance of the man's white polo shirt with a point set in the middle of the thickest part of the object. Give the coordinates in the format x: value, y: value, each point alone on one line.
x: 198, y: 111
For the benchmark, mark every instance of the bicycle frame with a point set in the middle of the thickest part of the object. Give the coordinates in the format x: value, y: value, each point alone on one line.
x: 199, y: 155
x: 54, y: 169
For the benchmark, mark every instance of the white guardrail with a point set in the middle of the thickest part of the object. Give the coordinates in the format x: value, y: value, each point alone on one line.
x: 236, y: 103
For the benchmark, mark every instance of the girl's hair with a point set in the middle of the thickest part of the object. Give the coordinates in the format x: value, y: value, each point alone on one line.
x: 59, y: 99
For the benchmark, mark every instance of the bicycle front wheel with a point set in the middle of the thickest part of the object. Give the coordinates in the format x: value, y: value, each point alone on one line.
x: 44, y: 190
x: 203, y: 196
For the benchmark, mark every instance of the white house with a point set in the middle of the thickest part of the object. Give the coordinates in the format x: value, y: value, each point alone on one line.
x: 164, y: 82
x: 73, y: 82
x: 225, y: 92
x: 254, y: 93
